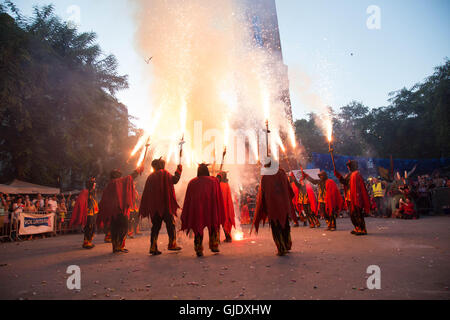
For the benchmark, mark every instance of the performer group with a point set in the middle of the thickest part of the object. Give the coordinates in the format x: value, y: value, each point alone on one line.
x: 208, y: 204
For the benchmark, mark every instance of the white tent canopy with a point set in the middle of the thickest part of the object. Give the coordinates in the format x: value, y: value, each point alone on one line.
x: 22, y: 187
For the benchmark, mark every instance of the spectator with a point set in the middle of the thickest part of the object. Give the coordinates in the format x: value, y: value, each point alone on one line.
x: 61, y: 212
x: 40, y: 200
x: 46, y: 207
x: 53, y: 204
x: 406, y: 210
x: 3, y: 205
x: 29, y: 207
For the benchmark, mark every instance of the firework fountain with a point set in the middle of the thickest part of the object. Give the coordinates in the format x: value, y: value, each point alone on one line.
x: 210, y: 84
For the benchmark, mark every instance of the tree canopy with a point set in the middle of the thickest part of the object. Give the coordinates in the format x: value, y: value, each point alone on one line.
x: 415, y: 125
x: 59, y: 119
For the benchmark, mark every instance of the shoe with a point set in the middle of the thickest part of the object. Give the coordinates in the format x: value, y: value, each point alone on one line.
x: 353, y: 232
x: 332, y: 229
x: 215, y: 250
x: 228, y: 240
x: 124, y: 250
x: 199, y: 254
x: 155, y: 253
x: 174, y: 248
x: 281, y: 253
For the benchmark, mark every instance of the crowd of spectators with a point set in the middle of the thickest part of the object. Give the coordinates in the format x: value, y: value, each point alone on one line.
x: 406, y: 198
x: 11, y: 206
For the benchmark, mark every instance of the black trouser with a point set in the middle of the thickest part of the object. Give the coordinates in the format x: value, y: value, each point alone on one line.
x: 357, y: 217
x: 312, y: 219
x: 213, y: 241
x: 380, y: 206
x: 89, y: 228
x: 329, y: 218
x: 156, y: 226
x: 281, y: 235
x: 119, y: 231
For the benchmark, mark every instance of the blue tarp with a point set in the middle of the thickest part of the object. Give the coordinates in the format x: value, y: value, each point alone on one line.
x: 369, y: 166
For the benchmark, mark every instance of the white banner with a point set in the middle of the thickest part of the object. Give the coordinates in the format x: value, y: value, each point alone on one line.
x: 36, y: 223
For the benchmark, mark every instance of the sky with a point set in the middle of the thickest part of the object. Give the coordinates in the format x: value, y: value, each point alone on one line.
x: 328, y: 42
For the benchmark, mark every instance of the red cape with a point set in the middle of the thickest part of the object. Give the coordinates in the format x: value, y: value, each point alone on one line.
x: 159, y: 195
x: 358, y: 193
x: 274, y: 199
x: 333, y: 201
x: 312, y: 198
x: 228, y: 206
x: 117, y: 198
x: 203, y: 205
x: 79, y: 213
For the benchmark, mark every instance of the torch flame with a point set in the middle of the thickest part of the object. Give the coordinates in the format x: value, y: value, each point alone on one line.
x: 141, y: 157
x: 329, y: 130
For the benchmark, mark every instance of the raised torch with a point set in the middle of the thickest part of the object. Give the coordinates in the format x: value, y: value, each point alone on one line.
x: 181, y: 147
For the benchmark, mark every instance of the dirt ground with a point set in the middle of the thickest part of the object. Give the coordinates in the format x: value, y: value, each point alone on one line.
x: 413, y: 256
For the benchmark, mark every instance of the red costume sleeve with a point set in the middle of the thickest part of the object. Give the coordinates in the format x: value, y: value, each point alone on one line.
x: 203, y: 205
x: 358, y: 192
x: 79, y: 213
x: 312, y: 198
x: 158, y: 195
x: 333, y: 201
x: 117, y: 198
x: 274, y: 199
x: 228, y: 207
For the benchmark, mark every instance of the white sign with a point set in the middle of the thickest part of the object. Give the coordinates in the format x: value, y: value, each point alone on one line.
x: 36, y: 223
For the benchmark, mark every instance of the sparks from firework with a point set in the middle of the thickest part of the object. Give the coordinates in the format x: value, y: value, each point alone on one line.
x: 140, y: 145
x: 292, y: 137
x: 238, y: 235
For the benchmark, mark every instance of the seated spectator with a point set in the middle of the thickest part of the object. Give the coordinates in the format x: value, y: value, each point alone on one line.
x: 406, y: 210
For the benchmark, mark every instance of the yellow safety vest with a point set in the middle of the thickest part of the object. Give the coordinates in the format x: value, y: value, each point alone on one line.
x: 378, y: 190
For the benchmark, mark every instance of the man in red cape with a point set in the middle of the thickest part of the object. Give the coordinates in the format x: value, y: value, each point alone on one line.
x: 228, y: 205
x: 274, y: 201
x: 85, y: 213
x: 160, y: 204
x: 115, y: 205
x: 203, y: 207
x: 306, y: 201
x: 359, y: 198
x: 330, y: 199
